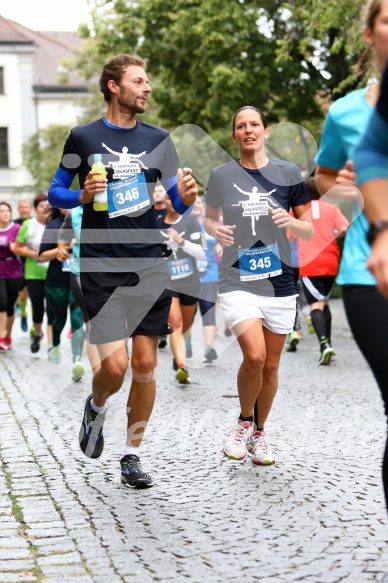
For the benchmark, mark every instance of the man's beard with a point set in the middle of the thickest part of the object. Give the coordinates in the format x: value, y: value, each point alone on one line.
x: 130, y: 107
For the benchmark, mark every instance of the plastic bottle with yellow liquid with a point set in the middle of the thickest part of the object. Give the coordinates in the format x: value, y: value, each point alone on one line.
x: 100, y: 200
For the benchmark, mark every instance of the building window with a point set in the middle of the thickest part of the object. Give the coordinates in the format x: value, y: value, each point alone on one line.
x: 3, y: 147
x: 1, y: 80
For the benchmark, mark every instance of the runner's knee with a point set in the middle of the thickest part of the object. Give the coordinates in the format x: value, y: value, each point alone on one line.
x: 143, y: 377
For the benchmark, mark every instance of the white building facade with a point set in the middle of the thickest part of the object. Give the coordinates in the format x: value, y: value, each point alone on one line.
x: 31, y: 98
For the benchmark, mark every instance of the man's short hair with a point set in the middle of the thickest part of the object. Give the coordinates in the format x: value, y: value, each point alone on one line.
x: 115, y: 69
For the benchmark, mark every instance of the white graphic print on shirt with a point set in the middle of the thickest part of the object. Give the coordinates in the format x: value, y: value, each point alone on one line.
x: 128, y: 164
x: 256, y: 205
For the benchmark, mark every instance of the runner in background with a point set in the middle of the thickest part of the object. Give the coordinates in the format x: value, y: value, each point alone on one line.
x: 371, y: 163
x: 27, y: 245
x: 183, y: 243
x: 160, y: 210
x: 69, y: 237
x: 11, y: 275
x: 318, y: 266
x: 59, y: 296
x: 208, y: 268
x: 346, y: 122
x: 24, y: 210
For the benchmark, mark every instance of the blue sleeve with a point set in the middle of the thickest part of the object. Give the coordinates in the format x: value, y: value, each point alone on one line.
x: 60, y: 195
x: 331, y: 153
x: 371, y: 156
x: 170, y: 185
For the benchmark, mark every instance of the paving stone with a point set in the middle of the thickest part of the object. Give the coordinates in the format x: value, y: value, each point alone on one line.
x: 17, y: 577
x: 60, y: 559
x: 63, y: 570
x: 9, y: 554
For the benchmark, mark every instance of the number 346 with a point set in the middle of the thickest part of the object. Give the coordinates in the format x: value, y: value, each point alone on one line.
x: 131, y: 195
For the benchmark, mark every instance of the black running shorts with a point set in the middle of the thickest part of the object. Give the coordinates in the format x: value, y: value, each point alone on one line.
x: 122, y: 305
x: 317, y: 288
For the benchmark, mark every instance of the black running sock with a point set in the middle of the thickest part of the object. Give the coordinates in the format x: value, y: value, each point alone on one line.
x: 327, y: 314
x: 255, y: 413
x: 250, y: 418
x: 318, y: 321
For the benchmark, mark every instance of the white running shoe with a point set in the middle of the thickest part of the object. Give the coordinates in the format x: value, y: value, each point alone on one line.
x: 261, y: 453
x: 235, y: 446
x: 326, y: 354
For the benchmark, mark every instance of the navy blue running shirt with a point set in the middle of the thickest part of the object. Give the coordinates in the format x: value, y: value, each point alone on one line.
x: 135, y: 159
x: 259, y: 261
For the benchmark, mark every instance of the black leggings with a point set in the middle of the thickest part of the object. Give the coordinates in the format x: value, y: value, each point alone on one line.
x: 9, y: 289
x: 78, y: 295
x: 58, y: 300
x: 37, y: 296
x: 367, y: 313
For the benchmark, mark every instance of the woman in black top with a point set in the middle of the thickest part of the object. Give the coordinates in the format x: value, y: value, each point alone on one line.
x: 59, y: 295
x: 183, y: 244
x: 256, y: 285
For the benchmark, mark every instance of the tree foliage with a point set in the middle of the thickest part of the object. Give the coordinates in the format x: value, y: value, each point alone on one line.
x: 41, y: 155
x: 210, y: 57
x: 207, y: 58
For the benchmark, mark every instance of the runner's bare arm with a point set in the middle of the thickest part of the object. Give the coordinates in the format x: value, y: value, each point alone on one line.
x: 222, y: 233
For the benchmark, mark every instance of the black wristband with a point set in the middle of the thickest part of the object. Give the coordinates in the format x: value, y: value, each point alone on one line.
x: 375, y: 228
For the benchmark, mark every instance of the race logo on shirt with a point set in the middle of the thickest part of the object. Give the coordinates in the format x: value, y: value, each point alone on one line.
x: 128, y: 164
x: 256, y: 205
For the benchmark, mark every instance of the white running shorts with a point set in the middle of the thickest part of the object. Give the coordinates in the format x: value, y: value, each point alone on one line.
x: 277, y: 314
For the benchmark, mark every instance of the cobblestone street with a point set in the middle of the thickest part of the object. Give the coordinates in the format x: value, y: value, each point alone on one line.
x: 317, y: 515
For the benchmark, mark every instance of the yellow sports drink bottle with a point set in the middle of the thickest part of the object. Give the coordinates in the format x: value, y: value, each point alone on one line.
x: 100, y: 200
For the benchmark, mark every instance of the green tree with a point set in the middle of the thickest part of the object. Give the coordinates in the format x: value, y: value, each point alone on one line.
x: 209, y: 57
x: 42, y: 154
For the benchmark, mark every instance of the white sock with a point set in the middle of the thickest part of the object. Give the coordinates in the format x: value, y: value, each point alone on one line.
x: 98, y: 409
x: 130, y: 451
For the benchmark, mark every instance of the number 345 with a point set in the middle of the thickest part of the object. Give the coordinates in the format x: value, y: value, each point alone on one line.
x: 259, y: 263
x: 131, y: 195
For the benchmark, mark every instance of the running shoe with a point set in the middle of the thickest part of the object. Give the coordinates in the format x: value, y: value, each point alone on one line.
x: 8, y: 342
x: 227, y: 331
x: 235, y: 446
x: 310, y: 326
x: 24, y: 323
x: 293, y: 341
x: 78, y: 369
x: 182, y: 375
x: 189, y: 348
x: 209, y: 356
x: 260, y: 451
x: 35, y: 344
x: 32, y: 331
x: 132, y: 473
x: 3, y: 346
x: 162, y: 342
x: 91, y: 438
x: 55, y: 354
x: 326, y: 354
